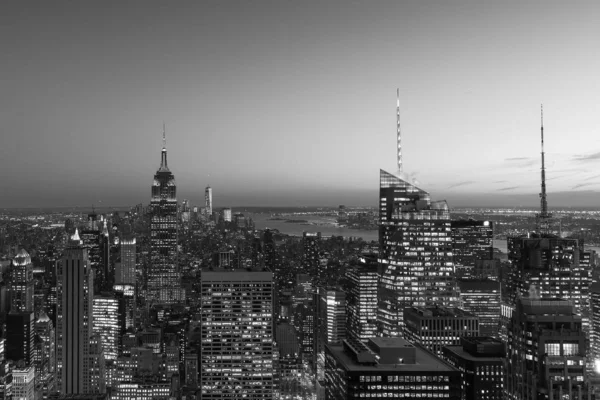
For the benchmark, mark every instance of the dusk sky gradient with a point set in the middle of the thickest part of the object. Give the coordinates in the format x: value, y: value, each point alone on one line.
x: 294, y: 102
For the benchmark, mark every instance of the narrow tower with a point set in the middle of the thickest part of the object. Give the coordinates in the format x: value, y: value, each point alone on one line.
x: 544, y: 217
x: 398, y: 130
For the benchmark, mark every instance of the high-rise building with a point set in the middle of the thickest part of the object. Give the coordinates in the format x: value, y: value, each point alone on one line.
x: 75, y: 283
x: 415, y: 250
x: 208, y: 203
x: 164, y: 278
x: 45, y: 355
x: 21, y: 288
x: 125, y: 273
x: 361, y: 320
x: 481, y: 297
x: 227, y: 214
x: 481, y: 363
x: 436, y: 327
x: 552, y: 265
x: 126, y: 297
x: 106, y: 323
x: 387, y: 368
x: 20, y: 333
x: 471, y: 241
x: 546, y: 351
x: 23, y: 382
x: 310, y: 254
x: 330, y: 323
x: 594, y: 355
x: 236, y: 334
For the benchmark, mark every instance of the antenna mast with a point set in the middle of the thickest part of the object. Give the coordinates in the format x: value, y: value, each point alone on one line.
x: 398, y: 130
x: 164, y: 136
x: 543, y: 198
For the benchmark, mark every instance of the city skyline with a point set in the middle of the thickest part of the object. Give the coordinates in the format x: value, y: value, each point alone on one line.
x: 298, y: 94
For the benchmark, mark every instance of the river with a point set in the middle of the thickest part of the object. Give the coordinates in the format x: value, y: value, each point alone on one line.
x: 327, y: 227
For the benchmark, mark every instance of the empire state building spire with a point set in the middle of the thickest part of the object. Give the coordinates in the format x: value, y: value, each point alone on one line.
x: 163, y: 159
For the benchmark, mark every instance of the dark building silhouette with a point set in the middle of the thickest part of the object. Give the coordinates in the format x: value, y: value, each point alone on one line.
x: 387, y: 367
x: 481, y: 362
x: 20, y: 332
x: 361, y: 296
x: 471, y: 241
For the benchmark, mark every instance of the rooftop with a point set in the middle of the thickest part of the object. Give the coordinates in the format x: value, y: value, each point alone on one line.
x: 393, y: 348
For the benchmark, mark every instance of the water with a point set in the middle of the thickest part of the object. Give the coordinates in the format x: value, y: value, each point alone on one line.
x: 315, y: 224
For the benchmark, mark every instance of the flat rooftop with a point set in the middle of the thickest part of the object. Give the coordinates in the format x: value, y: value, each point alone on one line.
x: 221, y: 274
x: 425, y: 361
x: 462, y: 353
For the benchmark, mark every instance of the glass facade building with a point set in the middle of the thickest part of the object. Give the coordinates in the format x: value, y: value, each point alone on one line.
x: 415, y: 252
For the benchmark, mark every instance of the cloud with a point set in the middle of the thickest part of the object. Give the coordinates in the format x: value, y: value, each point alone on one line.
x: 516, y: 158
x: 461, y: 184
x: 500, y: 181
x: 509, y: 188
x: 588, y: 157
x: 584, y: 185
x: 592, y: 177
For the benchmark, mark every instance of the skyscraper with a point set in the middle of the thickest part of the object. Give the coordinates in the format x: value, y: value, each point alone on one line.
x: 361, y: 319
x: 481, y: 363
x: 330, y: 323
x: 164, y: 279
x: 310, y: 255
x: 20, y: 332
x: 415, y: 251
x: 236, y: 334
x: 125, y: 273
x: 208, y: 204
x: 546, y: 351
x: 21, y: 288
x: 107, y: 323
x: 75, y: 283
x: 481, y: 297
x: 471, y: 241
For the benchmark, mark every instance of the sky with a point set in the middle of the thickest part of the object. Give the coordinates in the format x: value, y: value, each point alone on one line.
x: 294, y: 103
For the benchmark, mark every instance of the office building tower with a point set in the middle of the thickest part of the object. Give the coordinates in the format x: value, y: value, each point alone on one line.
x: 107, y: 323
x: 436, y: 327
x: 227, y: 214
x: 546, y: 351
x: 481, y: 297
x: 289, y: 360
x: 236, y: 334
x: 21, y: 287
x: 125, y: 271
x: 208, y: 203
x: 361, y: 320
x: 330, y: 323
x: 415, y: 250
x: 471, y: 241
x: 552, y: 265
x: 20, y: 333
x: 23, y: 382
x: 310, y: 254
x: 126, y: 298
x: 481, y: 362
x: 91, y: 240
x: 75, y: 283
x: 45, y: 355
x: 594, y: 354
x: 164, y: 279
x: 387, y: 368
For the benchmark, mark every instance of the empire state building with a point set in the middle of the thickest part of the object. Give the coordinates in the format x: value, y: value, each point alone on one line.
x: 164, y: 278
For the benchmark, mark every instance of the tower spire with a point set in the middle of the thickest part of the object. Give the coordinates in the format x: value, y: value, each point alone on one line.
x: 399, y: 155
x: 163, y: 157
x: 543, y: 198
